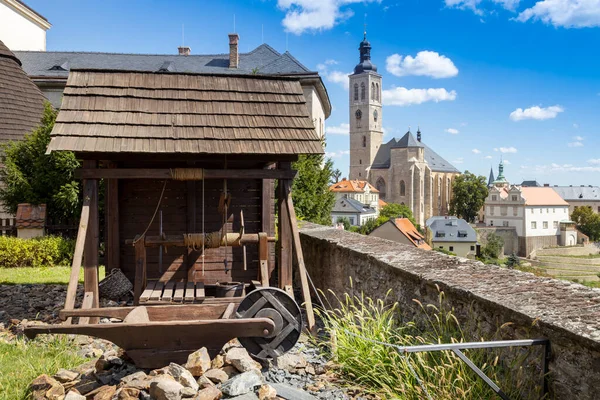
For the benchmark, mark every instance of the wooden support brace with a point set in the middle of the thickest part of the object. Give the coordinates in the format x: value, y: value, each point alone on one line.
x: 284, y: 249
x: 88, y: 301
x: 88, y: 192
x: 92, y: 246
x: 263, y: 256
x: 299, y: 257
x: 140, y: 270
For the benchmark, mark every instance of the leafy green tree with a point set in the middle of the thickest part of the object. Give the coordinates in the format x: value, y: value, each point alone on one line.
x: 313, y: 200
x: 493, y: 247
x: 469, y: 192
x: 32, y: 176
x: 345, y: 221
x: 335, y: 176
x: 587, y: 222
x: 392, y: 210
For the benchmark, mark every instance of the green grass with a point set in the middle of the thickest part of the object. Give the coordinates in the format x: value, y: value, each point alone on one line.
x: 43, y: 275
x: 589, y: 256
x: 22, y: 361
x: 382, y: 370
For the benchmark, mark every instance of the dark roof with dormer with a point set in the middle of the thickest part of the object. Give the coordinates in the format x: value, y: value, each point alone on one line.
x: 21, y: 102
x: 436, y: 162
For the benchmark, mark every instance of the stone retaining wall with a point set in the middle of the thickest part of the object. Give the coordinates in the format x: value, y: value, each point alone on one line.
x: 487, y: 296
x: 579, y: 250
x: 507, y: 233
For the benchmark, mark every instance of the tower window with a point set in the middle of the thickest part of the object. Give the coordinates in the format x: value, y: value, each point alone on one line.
x: 377, y: 94
x: 372, y: 91
x: 364, y: 141
x: 356, y: 92
x: 402, y: 188
x: 360, y: 162
x: 362, y: 91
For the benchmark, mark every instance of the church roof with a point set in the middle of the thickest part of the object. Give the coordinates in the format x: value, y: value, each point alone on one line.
x: 491, y: 178
x: 434, y: 160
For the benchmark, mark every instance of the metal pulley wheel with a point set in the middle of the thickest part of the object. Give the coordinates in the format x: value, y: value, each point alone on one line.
x: 278, y: 306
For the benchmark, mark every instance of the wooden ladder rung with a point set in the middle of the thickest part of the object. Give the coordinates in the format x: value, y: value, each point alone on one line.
x: 148, y: 291
x: 157, y: 292
x: 190, y: 292
x: 168, y: 292
x: 179, y: 291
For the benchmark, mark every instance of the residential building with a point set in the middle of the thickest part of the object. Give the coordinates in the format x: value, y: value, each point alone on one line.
x: 453, y: 234
x: 580, y: 196
x: 405, y: 171
x: 403, y: 231
x: 361, y: 191
x: 535, y: 212
x: 21, y: 27
x: 21, y: 102
x: 356, y: 212
x: 49, y: 70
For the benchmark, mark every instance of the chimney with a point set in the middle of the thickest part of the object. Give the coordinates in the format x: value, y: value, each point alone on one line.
x: 184, y: 50
x: 546, y: 185
x: 233, y: 50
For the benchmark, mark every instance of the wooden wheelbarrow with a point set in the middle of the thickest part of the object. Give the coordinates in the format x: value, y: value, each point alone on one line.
x: 267, y: 322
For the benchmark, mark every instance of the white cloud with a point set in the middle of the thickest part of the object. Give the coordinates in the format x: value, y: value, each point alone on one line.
x: 315, y: 15
x: 337, y: 154
x: 575, y: 144
x: 578, y: 138
x: 341, y: 129
x: 488, y: 157
x: 426, y: 63
x: 506, y: 149
x: 536, y: 112
x: 401, y: 96
x: 506, y: 162
x: 594, y: 161
x: 331, y: 62
x: 545, y: 169
x: 339, y: 77
x: 452, y: 131
x: 465, y: 4
x: 476, y: 151
x: 564, y: 13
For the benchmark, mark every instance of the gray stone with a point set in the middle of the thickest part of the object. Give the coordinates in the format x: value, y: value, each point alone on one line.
x: 209, y: 393
x: 240, y: 359
x: 216, y: 375
x: 187, y: 392
x: 205, y: 382
x: 64, y: 375
x: 290, y: 393
x: 242, y: 383
x: 133, y: 377
x: 183, y: 376
x: 247, y: 396
x: 162, y: 388
x: 72, y: 395
x: 291, y: 362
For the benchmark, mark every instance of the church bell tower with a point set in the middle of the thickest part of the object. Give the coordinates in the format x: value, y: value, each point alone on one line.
x: 366, y: 134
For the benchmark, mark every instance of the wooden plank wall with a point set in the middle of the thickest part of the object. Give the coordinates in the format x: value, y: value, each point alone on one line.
x: 137, y: 201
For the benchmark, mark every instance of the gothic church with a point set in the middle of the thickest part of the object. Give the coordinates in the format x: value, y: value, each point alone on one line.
x: 405, y: 171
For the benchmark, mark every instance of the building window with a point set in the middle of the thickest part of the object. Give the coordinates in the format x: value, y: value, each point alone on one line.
x: 491, y: 223
x: 377, y: 96
x: 362, y: 91
x: 547, y: 211
x: 494, y: 198
x: 364, y: 141
x: 532, y: 211
x: 504, y: 211
x: 451, y: 248
x: 359, y: 174
x: 441, y: 247
x: 356, y: 92
x: 504, y: 223
x: 372, y: 91
x: 533, y: 225
x: 380, y: 185
x: 554, y: 210
x: 545, y: 225
x: 402, y: 188
x: 360, y: 161
x: 515, y: 211
x: 491, y: 210
x: 440, y: 234
x: 472, y: 248
x: 555, y: 224
x: 514, y: 198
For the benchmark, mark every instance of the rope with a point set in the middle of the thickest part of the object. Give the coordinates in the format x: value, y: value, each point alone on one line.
x: 153, y: 216
x: 210, y: 240
x: 400, y: 350
x: 187, y: 174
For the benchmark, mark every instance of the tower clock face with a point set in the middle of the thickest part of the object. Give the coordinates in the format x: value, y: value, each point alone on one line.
x: 375, y: 115
x: 358, y: 114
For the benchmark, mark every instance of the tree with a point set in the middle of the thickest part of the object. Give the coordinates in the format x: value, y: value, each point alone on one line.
x: 587, y: 222
x: 493, y: 247
x: 313, y: 200
x: 469, y: 192
x: 513, y: 261
x: 32, y: 176
x: 392, y: 210
x: 344, y: 221
x: 335, y: 176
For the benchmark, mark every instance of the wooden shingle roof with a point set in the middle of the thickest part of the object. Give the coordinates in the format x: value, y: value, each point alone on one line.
x: 147, y: 112
x: 21, y: 102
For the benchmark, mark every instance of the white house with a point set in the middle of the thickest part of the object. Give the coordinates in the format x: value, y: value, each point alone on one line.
x: 21, y: 27
x: 536, y: 213
x: 356, y: 200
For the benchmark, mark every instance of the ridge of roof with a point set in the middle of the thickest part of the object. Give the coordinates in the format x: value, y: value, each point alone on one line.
x: 5, y: 52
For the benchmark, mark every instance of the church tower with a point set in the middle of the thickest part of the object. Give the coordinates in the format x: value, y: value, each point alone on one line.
x: 366, y: 134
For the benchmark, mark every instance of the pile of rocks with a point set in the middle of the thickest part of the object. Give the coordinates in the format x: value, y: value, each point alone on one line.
x: 231, y: 374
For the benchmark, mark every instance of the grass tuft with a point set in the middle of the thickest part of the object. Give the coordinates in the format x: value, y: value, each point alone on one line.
x: 39, y: 275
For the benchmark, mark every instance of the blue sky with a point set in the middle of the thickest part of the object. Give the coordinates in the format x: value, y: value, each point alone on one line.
x: 482, y: 78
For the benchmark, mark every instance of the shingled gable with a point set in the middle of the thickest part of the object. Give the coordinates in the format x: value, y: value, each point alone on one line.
x: 148, y: 112
x: 21, y: 102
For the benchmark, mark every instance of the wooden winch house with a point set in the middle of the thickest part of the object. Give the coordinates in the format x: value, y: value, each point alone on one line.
x: 190, y: 164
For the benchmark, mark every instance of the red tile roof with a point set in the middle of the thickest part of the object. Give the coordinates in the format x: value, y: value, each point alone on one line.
x: 30, y: 216
x: 352, y: 186
x: 542, y: 196
x: 408, y: 229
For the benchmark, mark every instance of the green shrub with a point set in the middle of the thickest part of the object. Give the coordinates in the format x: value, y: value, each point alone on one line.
x: 444, y: 251
x: 48, y: 251
x: 513, y: 261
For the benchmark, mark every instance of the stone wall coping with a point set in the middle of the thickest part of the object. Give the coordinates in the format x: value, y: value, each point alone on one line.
x: 561, y: 305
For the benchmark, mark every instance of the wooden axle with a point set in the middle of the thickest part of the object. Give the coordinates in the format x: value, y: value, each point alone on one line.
x: 230, y: 240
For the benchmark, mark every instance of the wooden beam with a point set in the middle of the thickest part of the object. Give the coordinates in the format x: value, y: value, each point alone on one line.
x: 263, y: 257
x: 165, y: 173
x: 267, y: 211
x: 284, y: 250
x: 88, y: 192
x: 88, y: 300
x: 190, y: 258
x: 232, y: 239
x: 310, y: 317
x: 113, y: 247
x: 140, y: 271
x: 92, y: 246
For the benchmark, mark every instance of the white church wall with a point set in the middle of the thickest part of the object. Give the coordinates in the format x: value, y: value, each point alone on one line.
x: 18, y: 30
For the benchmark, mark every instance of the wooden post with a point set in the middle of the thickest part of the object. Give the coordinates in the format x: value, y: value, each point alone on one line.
x: 191, y: 226
x: 263, y: 256
x: 113, y: 249
x: 310, y: 317
x: 268, y: 186
x: 92, y: 245
x: 88, y: 192
x: 284, y: 256
x: 140, y: 269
